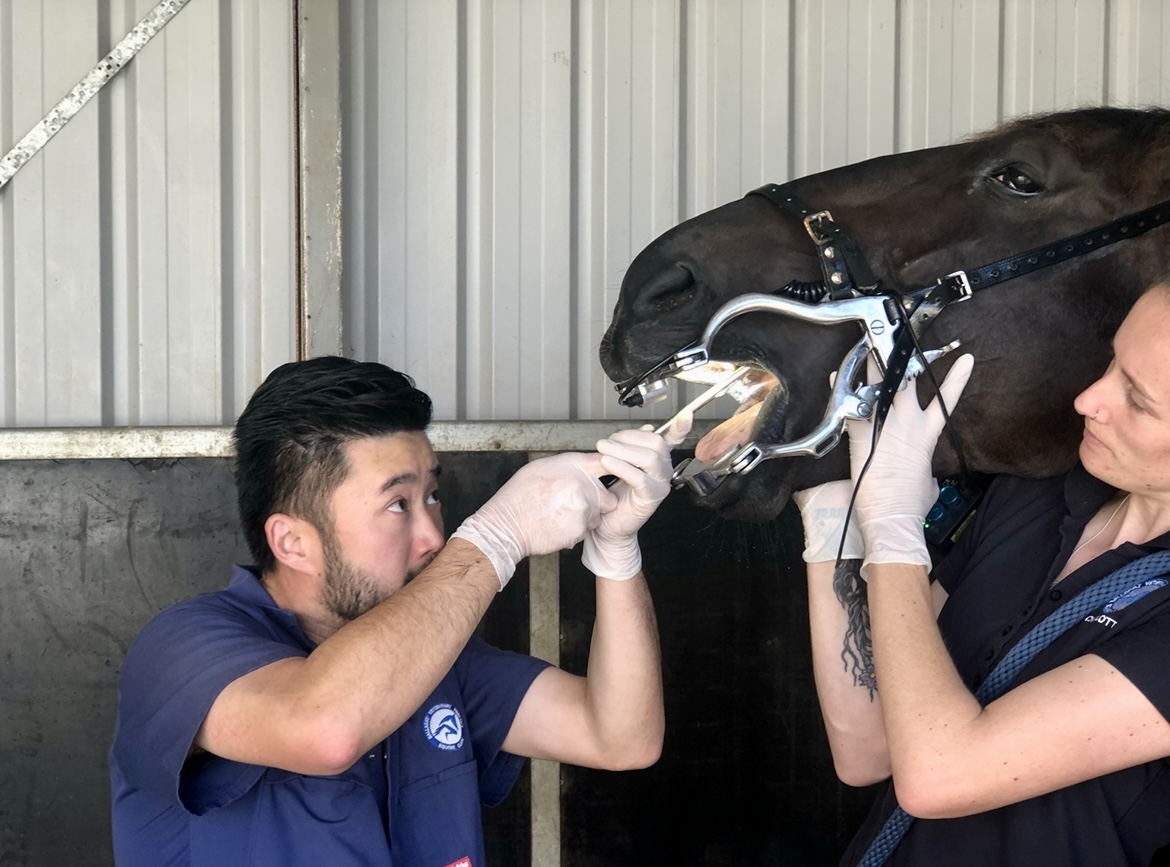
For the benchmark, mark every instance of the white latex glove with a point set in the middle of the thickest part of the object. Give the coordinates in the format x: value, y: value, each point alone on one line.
x: 547, y: 506
x: 822, y: 511
x: 899, y: 488
x: 641, y: 461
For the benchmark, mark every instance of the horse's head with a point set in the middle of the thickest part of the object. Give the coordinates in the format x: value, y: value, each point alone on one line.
x: 1038, y: 339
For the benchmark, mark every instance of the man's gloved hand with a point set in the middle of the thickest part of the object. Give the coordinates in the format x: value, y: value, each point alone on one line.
x: 899, y: 488
x: 641, y: 461
x: 547, y: 506
x: 822, y: 511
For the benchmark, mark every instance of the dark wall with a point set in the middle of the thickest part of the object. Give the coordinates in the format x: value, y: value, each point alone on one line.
x: 92, y: 549
x: 746, y: 777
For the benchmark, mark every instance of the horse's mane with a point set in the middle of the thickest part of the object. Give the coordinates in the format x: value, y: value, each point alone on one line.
x: 1142, y: 126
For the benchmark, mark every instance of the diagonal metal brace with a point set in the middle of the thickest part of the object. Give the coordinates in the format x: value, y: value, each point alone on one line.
x: 86, y: 89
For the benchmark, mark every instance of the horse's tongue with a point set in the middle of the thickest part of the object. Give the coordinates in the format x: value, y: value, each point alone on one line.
x: 733, y: 433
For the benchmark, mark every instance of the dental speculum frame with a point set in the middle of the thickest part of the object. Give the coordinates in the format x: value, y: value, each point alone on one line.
x: 879, y: 322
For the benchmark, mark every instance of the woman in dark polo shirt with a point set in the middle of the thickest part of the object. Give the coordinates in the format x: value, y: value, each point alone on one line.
x: 1068, y: 766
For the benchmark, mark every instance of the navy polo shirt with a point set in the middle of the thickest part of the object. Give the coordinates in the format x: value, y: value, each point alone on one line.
x: 414, y: 801
x: 999, y: 577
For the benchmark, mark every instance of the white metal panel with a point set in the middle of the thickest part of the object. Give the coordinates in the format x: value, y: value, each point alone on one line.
x: 519, y: 300
x: 400, y: 122
x: 628, y: 139
x: 1139, y: 53
x: 948, y: 80
x: 146, y: 254
x: 845, y: 82
x: 459, y: 258
x: 1053, y: 55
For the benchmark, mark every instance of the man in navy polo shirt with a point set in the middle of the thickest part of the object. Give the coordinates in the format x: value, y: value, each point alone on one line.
x: 330, y: 707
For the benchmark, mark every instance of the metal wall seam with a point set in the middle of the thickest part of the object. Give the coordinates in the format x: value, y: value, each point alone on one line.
x: 544, y: 642
x: 318, y: 114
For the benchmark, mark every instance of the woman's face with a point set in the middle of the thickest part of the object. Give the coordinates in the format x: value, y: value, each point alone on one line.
x: 1126, y: 440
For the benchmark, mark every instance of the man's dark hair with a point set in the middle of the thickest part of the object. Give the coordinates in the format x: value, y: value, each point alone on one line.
x: 290, y: 438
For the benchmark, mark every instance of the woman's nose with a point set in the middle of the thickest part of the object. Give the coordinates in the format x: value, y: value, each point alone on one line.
x: 1088, y: 402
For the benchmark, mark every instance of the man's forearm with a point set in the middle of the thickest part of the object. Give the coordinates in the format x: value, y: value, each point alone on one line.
x: 377, y: 670
x: 624, y: 679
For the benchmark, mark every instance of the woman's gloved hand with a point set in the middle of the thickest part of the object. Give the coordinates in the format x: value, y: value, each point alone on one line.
x: 823, y: 511
x: 899, y: 488
x: 548, y: 505
x: 641, y: 461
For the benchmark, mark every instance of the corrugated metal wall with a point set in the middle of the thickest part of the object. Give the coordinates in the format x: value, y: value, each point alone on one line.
x: 506, y: 159
x: 146, y: 254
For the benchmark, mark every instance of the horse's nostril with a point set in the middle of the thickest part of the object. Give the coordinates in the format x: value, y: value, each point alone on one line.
x: 670, y: 287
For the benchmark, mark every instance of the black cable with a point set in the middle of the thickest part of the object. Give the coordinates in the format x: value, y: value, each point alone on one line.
x: 963, y: 470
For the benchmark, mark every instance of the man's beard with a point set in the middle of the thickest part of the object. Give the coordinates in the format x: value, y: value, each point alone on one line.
x: 349, y: 592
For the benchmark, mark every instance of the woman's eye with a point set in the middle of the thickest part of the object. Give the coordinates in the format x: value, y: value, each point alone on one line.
x: 433, y: 498
x: 397, y: 506
x: 1017, y: 181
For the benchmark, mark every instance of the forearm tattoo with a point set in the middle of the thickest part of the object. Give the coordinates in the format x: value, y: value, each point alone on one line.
x: 857, y: 651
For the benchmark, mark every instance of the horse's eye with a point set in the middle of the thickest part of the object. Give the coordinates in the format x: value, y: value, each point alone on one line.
x: 1017, y: 181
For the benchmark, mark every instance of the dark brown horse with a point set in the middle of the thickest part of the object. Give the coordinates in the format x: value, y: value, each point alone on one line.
x: 1037, y: 339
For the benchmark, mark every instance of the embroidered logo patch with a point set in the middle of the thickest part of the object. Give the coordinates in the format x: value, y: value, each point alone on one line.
x: 1129, y: 597
x: 462, y: 862
x: 443, y: 727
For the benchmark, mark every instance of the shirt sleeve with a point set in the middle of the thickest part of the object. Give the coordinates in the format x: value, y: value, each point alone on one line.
x: 1140, y: 654
x: 493, y: 683
x: 172, y: 674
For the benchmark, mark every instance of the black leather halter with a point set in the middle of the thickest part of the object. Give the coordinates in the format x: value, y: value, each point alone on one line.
x: 847, y: 273
x: 841, y: 256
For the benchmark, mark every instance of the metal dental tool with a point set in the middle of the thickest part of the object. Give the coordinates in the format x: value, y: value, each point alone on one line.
x: 698, y: 403
x: 706, y: 397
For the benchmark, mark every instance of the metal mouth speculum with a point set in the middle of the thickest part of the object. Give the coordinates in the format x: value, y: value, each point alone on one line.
x: 879, y: 318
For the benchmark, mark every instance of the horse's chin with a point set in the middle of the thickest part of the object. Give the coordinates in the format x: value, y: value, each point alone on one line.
x: 756, y: 498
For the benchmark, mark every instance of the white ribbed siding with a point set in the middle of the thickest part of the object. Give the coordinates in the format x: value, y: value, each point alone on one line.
x: 524, y: 151
x: 146, y: 254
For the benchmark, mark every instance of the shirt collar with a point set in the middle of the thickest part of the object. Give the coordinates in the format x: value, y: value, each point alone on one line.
x: 249, y: 591
x: 1084, y: 493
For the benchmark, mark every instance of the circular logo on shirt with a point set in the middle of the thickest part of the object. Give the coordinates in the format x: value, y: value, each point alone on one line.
x: 1129, y: 597
x: 443, y: 727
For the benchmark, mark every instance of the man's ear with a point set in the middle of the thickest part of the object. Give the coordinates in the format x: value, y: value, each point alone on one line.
x: 295, y: 543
